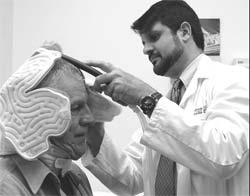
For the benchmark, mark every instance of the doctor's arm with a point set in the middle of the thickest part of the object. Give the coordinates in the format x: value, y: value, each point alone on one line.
x: 120, y: 171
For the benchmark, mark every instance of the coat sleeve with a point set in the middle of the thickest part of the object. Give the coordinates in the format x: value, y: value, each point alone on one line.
x: 216, y: 145
x: 120, y: 171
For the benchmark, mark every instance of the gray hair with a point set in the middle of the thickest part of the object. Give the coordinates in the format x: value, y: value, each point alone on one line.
x: 60, y: 67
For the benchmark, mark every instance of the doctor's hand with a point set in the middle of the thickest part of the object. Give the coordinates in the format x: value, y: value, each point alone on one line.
x: 95, y: 136
x: 121, y: 86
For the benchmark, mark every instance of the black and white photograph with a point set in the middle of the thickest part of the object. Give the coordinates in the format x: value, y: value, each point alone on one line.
x: 124, y: 98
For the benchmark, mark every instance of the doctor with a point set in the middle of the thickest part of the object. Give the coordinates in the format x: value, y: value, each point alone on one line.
x: 195, y: 140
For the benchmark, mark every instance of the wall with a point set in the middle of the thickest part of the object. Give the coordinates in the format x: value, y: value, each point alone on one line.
x: 234, y: 19
x: 6, y: 16
x: 94, y: 29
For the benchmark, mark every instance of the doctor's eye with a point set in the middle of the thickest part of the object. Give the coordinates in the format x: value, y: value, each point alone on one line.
x: 154, y: 36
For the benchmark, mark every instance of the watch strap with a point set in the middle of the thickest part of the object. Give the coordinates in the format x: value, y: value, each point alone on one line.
x: 149, y: 102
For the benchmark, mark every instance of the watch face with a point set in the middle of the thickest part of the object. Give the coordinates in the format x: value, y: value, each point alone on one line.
x: 147, y: 103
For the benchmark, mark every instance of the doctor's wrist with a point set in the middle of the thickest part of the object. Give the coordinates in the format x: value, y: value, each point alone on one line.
x: 148, y: 103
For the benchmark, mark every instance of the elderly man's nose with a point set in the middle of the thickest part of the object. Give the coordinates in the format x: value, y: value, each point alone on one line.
x: 86, y: 119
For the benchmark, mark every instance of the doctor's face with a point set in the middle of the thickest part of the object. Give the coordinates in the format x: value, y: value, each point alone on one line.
x: 163, y: 49
x: 73, y: 141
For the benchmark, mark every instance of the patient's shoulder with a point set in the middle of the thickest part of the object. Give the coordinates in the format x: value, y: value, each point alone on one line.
x: 12, y: 181
x: 7, y: 168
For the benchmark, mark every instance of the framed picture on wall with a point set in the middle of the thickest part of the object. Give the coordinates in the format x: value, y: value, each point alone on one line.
x: 211, y: 32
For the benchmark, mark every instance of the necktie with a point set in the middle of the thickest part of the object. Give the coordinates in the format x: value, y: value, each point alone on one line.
x: 165, y: 182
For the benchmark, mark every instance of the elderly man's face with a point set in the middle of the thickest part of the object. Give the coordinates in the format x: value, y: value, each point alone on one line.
x: 73, y: 141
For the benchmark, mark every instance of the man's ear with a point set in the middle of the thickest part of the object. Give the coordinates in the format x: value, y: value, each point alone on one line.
x: 185, y: 31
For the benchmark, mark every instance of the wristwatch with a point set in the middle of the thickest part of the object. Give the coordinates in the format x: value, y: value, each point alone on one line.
x: 148, y: 103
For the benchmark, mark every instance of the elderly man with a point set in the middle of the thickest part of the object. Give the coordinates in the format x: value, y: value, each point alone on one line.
x: 46, y: 111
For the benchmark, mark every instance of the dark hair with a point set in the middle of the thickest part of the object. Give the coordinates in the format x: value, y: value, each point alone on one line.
x: 171, y: 13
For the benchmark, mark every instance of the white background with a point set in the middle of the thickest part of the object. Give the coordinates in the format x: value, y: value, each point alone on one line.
x: 96, y: 29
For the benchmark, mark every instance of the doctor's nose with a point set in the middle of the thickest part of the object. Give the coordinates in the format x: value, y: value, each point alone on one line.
x: 147, y: 48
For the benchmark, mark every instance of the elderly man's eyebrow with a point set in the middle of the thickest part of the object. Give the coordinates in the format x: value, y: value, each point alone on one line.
x: 81, y: 65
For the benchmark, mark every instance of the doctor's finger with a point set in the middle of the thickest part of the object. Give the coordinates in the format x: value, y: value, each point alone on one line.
x: 103, y: 80
x: 104, y: 66
x: 109, y: 89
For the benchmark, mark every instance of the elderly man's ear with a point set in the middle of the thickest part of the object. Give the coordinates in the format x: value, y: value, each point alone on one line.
x: 95, y: 136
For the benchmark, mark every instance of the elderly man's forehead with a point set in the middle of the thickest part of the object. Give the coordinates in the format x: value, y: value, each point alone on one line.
x: 70, y: 79
x: 58, y: 72
x: 67, y: 67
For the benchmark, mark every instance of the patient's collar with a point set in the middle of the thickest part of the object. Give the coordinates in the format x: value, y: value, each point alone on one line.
x: 57, y: 160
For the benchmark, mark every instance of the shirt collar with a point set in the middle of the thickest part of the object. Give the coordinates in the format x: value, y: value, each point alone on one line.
x: 34, y: 172
x: 189, y: 71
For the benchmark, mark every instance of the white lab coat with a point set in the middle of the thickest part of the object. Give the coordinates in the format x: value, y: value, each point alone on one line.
x: 207, y: 135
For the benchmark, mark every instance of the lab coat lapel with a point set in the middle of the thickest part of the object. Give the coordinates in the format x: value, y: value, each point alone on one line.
x: 201, y: 73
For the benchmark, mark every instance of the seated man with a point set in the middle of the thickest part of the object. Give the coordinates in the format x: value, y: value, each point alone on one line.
x: 46, y: 110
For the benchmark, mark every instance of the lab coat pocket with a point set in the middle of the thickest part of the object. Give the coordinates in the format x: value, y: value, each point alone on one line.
x: 200, y: 112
